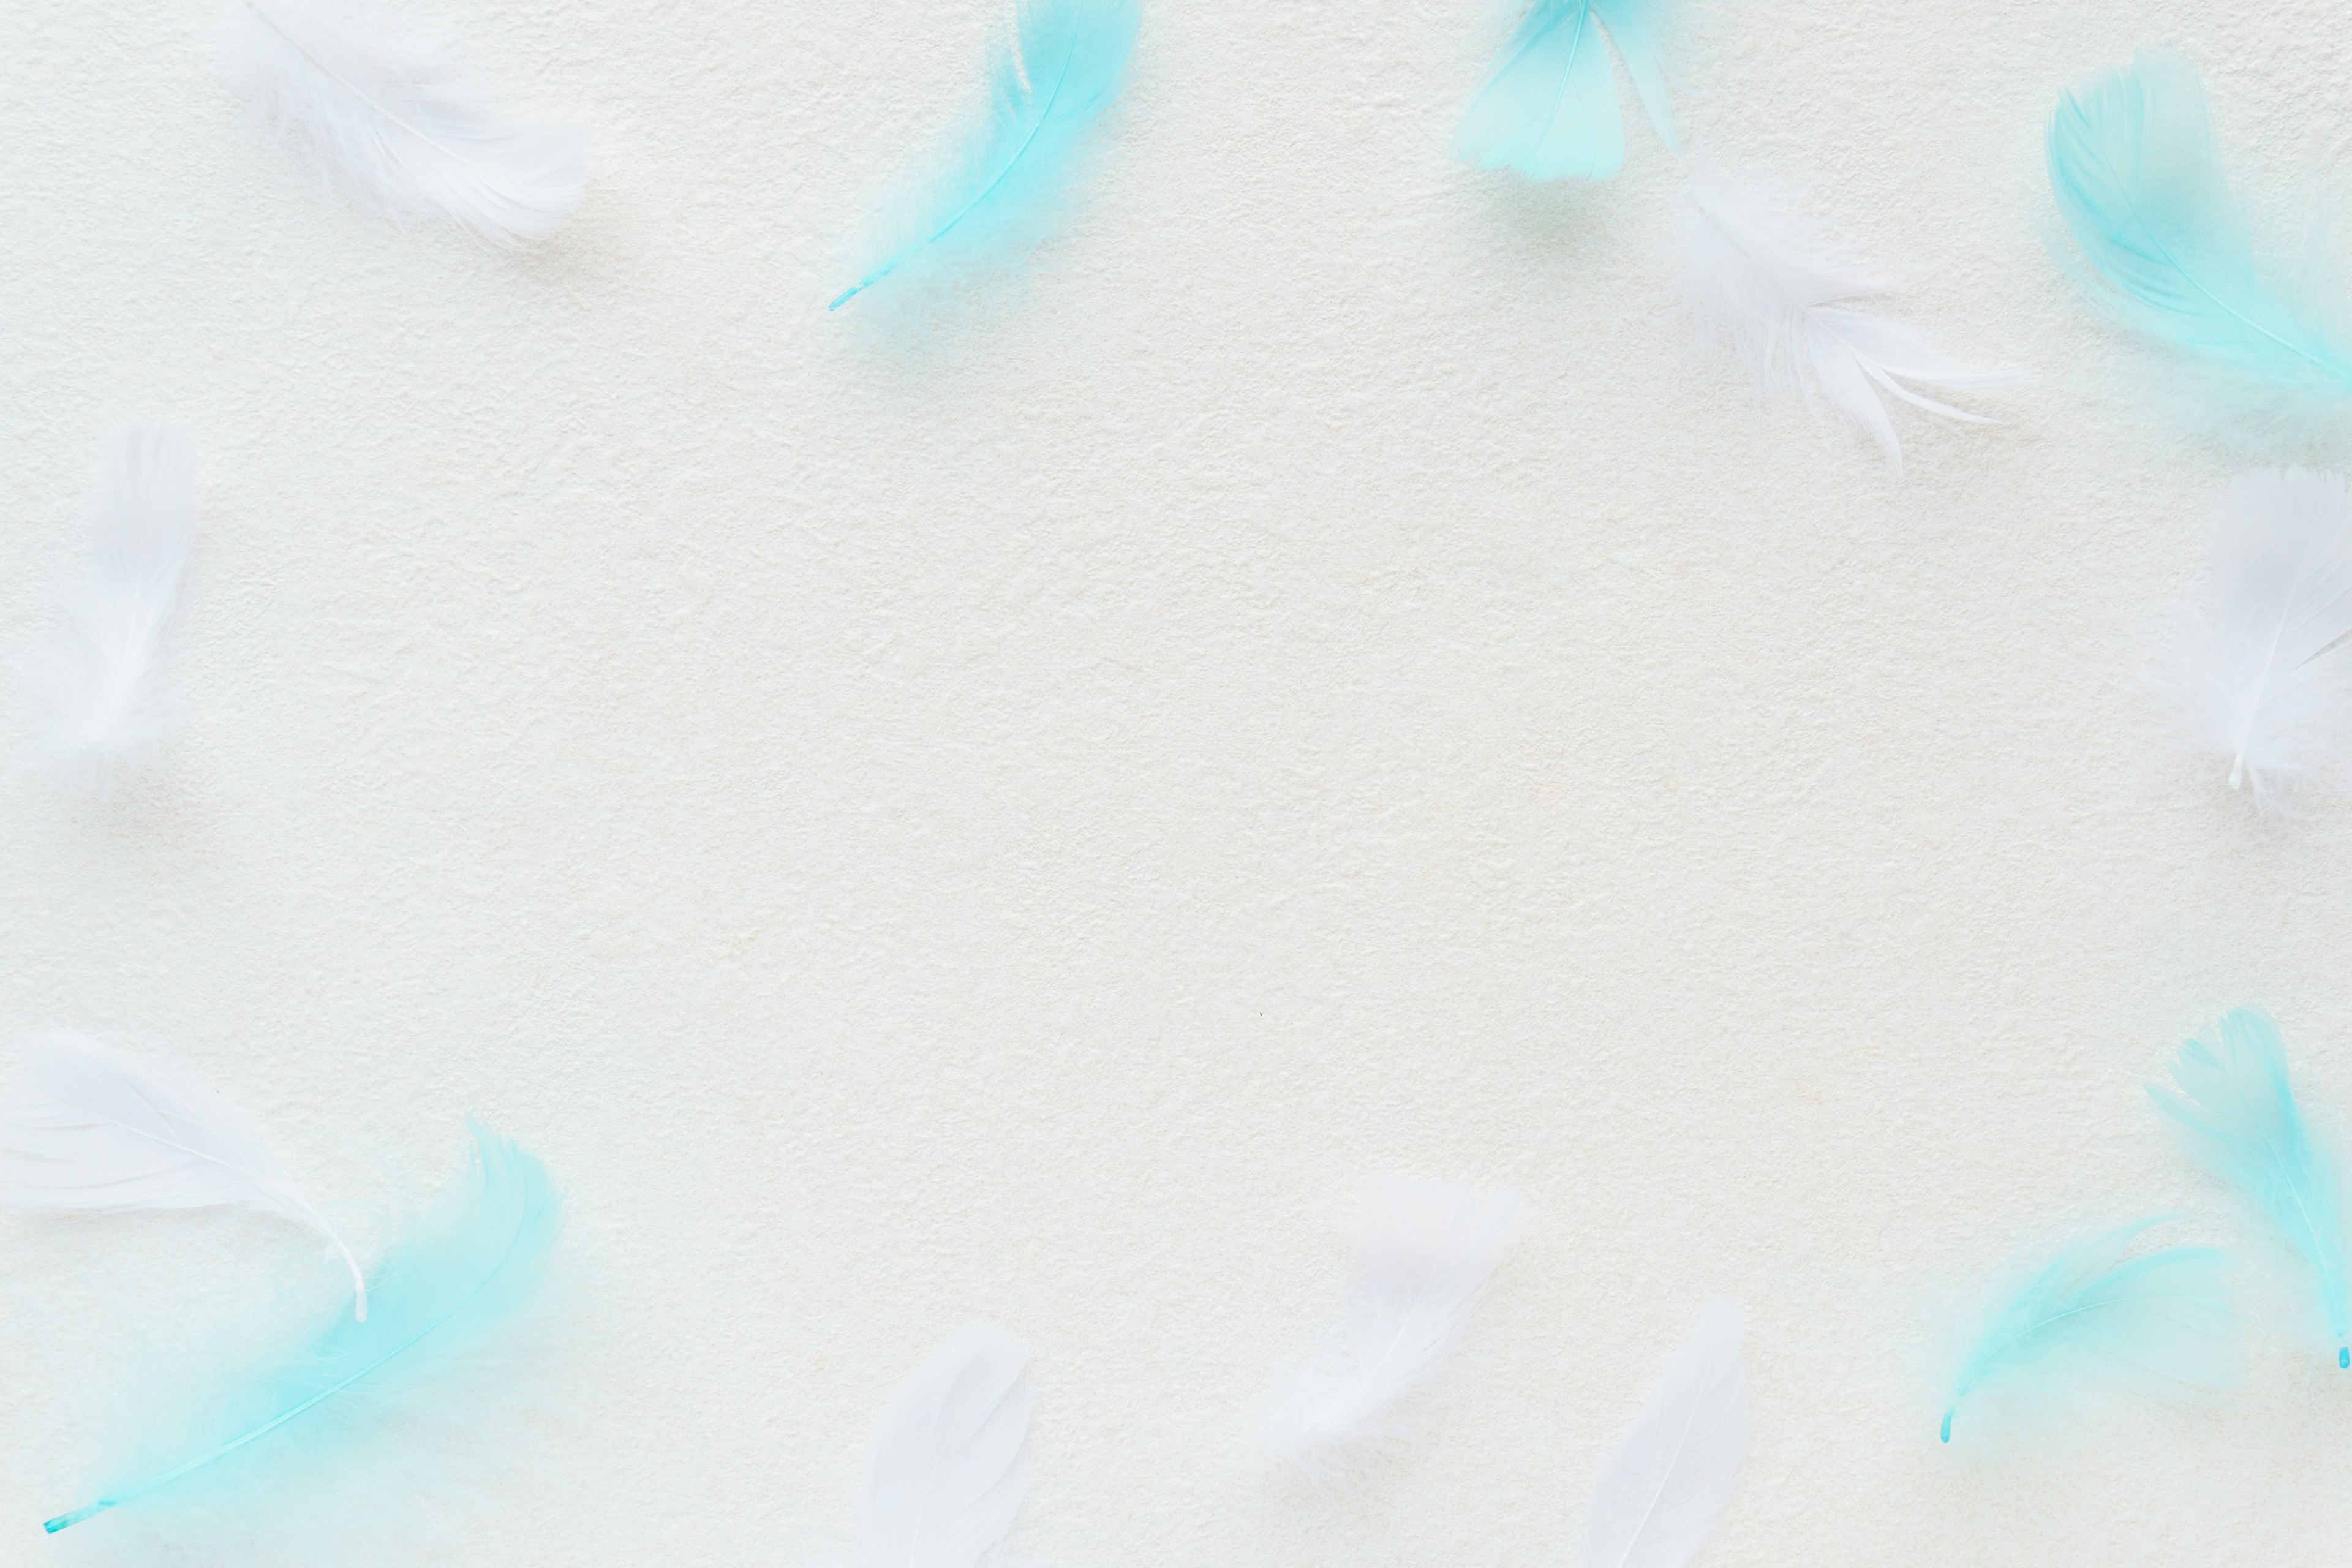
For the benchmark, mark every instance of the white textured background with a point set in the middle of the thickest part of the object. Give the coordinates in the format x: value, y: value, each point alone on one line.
x: 1318, y: 681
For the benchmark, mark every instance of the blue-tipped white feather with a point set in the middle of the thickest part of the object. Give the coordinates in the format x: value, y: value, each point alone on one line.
x: 1549, y: 108
x: 1003, y: 182
x: 2241, y: 1113
x: 444, y: 1308
x: 2094, y: 1321
x: 2264, y: 677
x: 2165, y: 240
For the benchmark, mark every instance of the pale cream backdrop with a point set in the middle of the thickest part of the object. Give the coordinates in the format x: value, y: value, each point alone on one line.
x: 1315, y: 680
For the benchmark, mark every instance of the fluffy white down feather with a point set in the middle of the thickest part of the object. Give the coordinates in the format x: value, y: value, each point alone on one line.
x: 1424, y: 1253
x: 2263, y: 681
x: 1769, y: 282
x: 101, y: 681
x: 1664, y: 1489
x: 947, y: 1473
x: 86, y: 1130
x: 397, y: 114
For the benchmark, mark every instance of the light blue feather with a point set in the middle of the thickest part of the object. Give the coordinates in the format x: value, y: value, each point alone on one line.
x: 2169, y: 252
x: 2093, y: 1316
x: 1549, y: 108
x: 1003, y: 181
x: 2241, y: 1114
x: 435, y: 1305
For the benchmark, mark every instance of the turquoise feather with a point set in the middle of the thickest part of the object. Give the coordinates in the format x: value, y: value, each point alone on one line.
x: 1548, y: 108
x: 461, y: 1277
x: 1005, y: 178
x: 2160, y: 1322
x: 2131, y: 164
x: 2241, y: 1111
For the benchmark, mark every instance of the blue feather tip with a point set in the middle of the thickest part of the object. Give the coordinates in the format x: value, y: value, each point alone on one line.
x: 464, y: 1275
x: 1005, y: 177
x: 1549, y: 108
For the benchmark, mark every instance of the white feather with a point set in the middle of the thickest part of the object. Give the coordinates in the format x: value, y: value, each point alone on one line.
x: 2265, y: 677
x: 947, y: 1474
x: 1659, y: 1499
x: 1425, y: 1252
x: 87, y: 1130
x: 1769, y: 282
x: 399, y: 115
x: 103, y: 679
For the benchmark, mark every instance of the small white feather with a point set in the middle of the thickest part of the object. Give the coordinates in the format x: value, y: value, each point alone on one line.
x: 947, y: 1473
x: 2264, y: 677
x: 1659, y: 1499
x: 87, y: 1130
x: 103, y: 681
x: 398, y: 114
x: 1769, y: 282
x: 1425, y: 1252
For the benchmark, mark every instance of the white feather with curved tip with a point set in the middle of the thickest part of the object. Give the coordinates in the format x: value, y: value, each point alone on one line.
x: 400, y: 117
x: 1425, y: 1252
x: 1657, y: 1502
x: 947, y: 1474
x: 85, y: 1128
x: 102, y: 680
x: 1766, y: 281
x: 2266, y: 679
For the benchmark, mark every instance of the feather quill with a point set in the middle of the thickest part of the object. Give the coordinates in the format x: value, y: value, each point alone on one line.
x: 103, y: 680
x: 87, y: 1130
x: 1768, y: 282
x: 1004, y: 179
x: 401, y: 117
x: 2097, y: 1316
x: 2264, y: 679
x: 440, y: 1301
x: 2241, y: 1114
x: 947, y: 1474
x: 1658, y: 1500
x: 2164, y: 242
x: 1548, y: 108
x: 1425, y: 1252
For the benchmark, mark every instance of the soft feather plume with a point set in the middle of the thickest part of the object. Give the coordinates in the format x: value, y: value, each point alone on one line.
x: 2264, y: 677
x: 103, y: 680
x: 86, y: 1130
x: 2242, y: 1116
x: 1424, y: 1251
x: 401, y: 117
x: 1769, y: 282
x: 445, y: 1303
x: 2094, y: 1321
x: 1657, y: 1502
x: 947, y: 1474
x: 2165, y: 241
x: 1549, y: 108
x: 1001, y: 182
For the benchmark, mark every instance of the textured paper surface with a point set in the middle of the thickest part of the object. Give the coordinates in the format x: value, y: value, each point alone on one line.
x: 1317, y: 680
